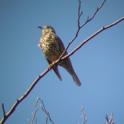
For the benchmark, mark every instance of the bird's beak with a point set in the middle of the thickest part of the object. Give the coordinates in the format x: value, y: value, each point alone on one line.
x: 40, y: 27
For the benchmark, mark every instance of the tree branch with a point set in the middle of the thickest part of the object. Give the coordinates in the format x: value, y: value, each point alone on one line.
x: 3, y: 109
x: 94, y: 35
x: 79, y: 25
x: 40, y: 106
x: 109, y: 119
x: 33, y: 120
x: 89, y: 19
x: 84, y: 117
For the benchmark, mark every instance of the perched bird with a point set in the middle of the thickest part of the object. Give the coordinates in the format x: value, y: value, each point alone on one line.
x: 52, y: 47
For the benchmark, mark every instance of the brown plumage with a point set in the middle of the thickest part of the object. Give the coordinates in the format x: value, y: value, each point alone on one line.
x: 52, y: 47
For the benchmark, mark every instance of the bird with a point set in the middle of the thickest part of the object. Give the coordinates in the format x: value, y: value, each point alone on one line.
x: 52, y: 48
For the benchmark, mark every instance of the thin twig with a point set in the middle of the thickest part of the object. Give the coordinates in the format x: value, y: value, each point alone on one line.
x: 79, y: 25
x: 80, y: 13
x: 43, y: 108
x: 89, y: 19
x: 3, y: 109
x: 40, y: 106
x: 109, y: 119
x: 93, y: 35
x: 34, y: 117
x: 83, y: 116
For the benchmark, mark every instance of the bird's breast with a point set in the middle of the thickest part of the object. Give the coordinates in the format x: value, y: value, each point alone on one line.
x: 50, y: 48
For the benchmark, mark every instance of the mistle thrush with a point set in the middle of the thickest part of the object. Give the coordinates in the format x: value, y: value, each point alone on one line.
x: 52, y: 47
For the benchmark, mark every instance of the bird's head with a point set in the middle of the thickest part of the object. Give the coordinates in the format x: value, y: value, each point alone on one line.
x: 47, y: 29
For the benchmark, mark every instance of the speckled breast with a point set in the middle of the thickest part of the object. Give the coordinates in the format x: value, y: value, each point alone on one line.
x: 50, y: 48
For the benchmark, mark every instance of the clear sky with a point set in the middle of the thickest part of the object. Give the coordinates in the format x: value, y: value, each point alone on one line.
x: 99, y: 64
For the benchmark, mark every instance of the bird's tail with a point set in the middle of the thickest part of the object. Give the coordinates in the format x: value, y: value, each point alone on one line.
x: 75, y: 78
x: 68, y: 66
x: 55, y: 68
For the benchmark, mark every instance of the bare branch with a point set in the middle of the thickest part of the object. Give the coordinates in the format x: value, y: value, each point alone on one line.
x: 40, y: 106
x: 3, y: 109
x: 83, y: 115
x: 89, y: 19
x: 43, y: 108
x: 80, y: 12
x: 79, y: 25
x: 109, y: 119
x: 93, y: 35
x: 33, y: 120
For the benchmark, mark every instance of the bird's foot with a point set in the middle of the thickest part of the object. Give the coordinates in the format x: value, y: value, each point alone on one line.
x: 52, y: 64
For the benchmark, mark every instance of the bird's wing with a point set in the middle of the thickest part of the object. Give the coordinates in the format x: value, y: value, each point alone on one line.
x: 55, y: 68
x: 61, y: 45
x: 67, y: 63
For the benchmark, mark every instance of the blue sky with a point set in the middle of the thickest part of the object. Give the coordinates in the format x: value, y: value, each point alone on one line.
x: 99, y: 64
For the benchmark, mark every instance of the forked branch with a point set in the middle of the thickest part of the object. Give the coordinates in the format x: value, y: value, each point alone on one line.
x: 40, y: 106
x: 109, y: 119
x: 81, y: 24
